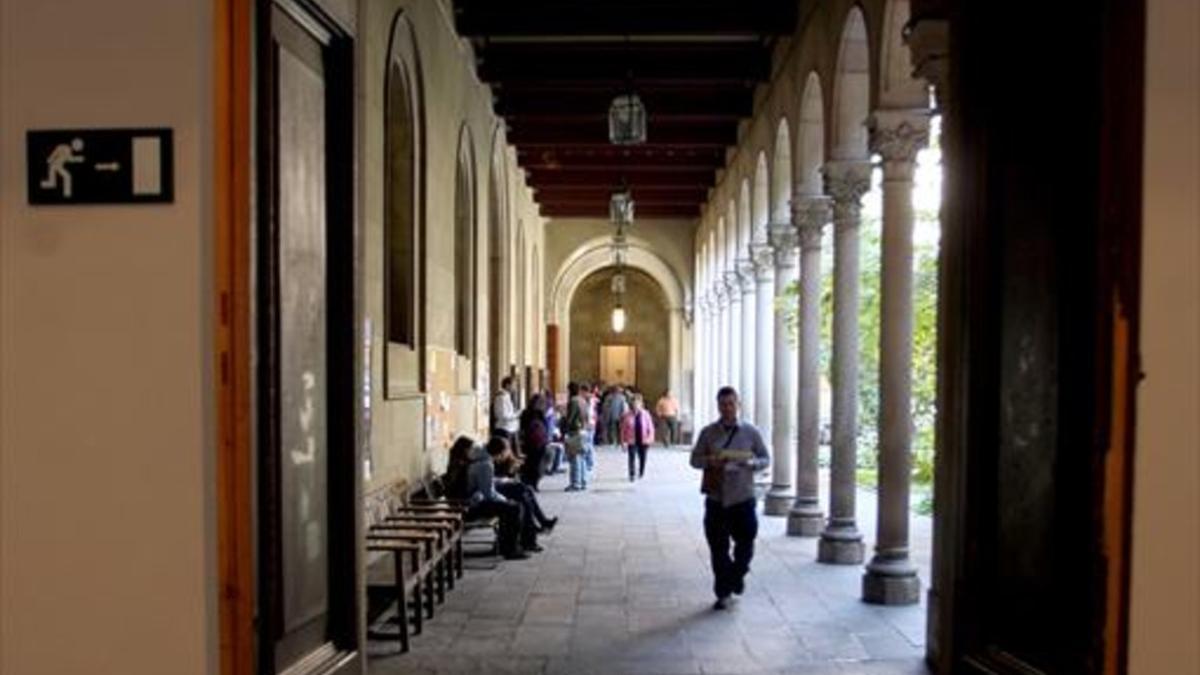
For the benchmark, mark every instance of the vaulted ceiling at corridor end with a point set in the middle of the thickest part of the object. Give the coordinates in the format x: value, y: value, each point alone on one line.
x: 555, y: 65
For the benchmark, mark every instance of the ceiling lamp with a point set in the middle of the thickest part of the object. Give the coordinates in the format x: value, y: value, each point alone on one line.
x: 618, y: 318
x: 618, y: 289
x: 627, y: 120
x: 620, y: 208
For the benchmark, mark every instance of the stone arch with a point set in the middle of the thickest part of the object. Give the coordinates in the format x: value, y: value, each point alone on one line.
x: 404, y: 227
x: 744, y: 220
x: 897, y: 86
x: 730, y: 244
x: 760, y: 203
x: 781, y: 175
x: 465, y: 230
x: 851, y: 89
x: 498, y: 273
x: 810, y: 138
x: 596, y: 254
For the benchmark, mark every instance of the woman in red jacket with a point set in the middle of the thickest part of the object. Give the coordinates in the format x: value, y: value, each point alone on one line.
x: 637, y: 434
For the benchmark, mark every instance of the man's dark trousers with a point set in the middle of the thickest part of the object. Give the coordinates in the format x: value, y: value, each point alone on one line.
x: 739, y: 523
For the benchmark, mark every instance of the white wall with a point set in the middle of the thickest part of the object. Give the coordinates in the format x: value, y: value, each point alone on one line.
x: 106, y: 465
x: 1165, y: 610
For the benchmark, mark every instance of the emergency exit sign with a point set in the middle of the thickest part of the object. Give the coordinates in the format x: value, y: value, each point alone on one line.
x: 100, y: 166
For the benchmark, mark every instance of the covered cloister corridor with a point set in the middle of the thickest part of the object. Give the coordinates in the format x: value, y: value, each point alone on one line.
x: 264, y: 262
x: 624, y: 587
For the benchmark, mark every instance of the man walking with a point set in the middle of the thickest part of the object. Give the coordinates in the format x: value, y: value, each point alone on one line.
x: 729, y: 452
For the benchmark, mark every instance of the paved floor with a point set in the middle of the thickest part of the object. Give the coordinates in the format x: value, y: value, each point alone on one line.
x: 624, y: 587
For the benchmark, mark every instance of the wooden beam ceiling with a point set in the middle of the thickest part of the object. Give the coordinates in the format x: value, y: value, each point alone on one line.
x: 555, y: 65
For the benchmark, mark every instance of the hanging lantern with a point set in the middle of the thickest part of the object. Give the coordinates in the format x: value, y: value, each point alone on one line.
x: 618, y: 317
x: 627, y: 120
x: 620, y: 208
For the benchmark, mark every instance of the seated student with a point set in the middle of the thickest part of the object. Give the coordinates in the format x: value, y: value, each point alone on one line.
x: 470, y: 475
x: 534, y: 519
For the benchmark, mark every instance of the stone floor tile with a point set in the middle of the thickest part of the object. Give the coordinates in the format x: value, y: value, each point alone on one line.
x: 624, y: 587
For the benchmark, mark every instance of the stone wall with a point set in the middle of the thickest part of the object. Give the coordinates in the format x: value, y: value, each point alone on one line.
x: 410, y: 427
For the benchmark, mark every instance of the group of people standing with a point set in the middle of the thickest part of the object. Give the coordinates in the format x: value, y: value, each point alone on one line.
x: 591, y: 416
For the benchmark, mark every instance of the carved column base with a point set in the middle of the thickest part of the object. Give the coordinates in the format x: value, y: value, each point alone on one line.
x: 779, y: 501
x: 843, y: 546
x: 891, y: 582
x: 805, y: 520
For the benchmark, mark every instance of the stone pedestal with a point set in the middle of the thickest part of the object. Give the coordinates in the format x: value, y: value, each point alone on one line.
x: 783, y: 401
x: 896, y: 135
x: 841, y: 542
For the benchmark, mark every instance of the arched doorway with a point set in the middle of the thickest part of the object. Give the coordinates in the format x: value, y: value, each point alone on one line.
x: 636, y: 356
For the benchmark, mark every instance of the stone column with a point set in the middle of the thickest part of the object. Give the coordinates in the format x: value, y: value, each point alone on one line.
x: 764, y: 276
x: 733, y: 285
x: 783, y: 399
x: 749, y: 323
x: 841, y: 542
x: 810, y: 215
x: 721, y: 339
x: 891, y: 577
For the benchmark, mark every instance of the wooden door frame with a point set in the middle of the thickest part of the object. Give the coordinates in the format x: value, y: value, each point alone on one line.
x: 968, y: 376
x: 238, y: 85
x: 342, y: 652
x: 232, y: 93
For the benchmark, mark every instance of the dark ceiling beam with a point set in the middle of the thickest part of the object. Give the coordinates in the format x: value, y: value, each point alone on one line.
x: 517, y: 103
x: 640, y: 213
x: 478, y: 18
x: 565, y: 62
x: 641, y: 193
x: 684, y: 136
x: 590, y: 157
x: 543, y: 178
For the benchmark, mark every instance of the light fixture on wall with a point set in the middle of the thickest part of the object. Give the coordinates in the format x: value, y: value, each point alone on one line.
x: 618, y: 313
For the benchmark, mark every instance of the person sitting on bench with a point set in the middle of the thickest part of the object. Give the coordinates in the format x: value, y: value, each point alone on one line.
x: 470, y: 475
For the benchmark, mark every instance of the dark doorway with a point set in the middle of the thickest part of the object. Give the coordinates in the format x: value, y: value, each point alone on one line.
x: 307, y: 607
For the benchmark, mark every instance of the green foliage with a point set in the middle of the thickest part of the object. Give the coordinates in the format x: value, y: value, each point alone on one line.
x: 924, y: 357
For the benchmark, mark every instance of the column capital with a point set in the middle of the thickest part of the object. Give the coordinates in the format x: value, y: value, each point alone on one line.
x: 762, y: 255
x: 928, y: 39
x: 733, y: 285
x: 745, y: 269
x: 810, y: 214
x: 898, y: 134
x: 783, y: 243
x: 846, y: 181
x: 718, y: 294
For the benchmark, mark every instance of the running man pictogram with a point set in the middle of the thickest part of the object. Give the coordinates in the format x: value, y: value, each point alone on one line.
x: 56, y: 164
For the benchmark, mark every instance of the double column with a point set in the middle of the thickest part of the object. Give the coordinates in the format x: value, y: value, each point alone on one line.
x: 845, y: 182
x: 783, y: 399
x: 897, y: 136
x: 810, y: 215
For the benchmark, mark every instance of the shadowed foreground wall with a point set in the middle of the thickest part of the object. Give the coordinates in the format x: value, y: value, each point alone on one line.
x: 646, y: 328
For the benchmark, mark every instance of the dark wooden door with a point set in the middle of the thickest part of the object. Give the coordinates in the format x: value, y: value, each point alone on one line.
x: 307, y: 580
x: 1040, y: 260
